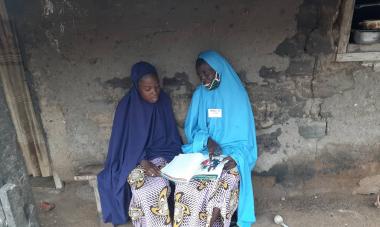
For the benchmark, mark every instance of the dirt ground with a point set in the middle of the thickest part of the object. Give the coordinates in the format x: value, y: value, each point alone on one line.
x: 326, y: 201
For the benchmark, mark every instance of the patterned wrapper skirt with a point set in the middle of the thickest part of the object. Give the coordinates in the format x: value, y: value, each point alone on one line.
x: 149, y: 203
x: 195, y: 201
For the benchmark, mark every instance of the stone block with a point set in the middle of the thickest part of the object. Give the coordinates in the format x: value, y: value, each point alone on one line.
x: 327, y: 84
x: 265, y: 113
x: 368, y: 185
x: 13, y: 205
x: 376, y: 67
x: 269, y: 73
x: 312, y: 129
x: 319, y: 43
x: 2, y: 217
x: 301, y: 66
x: 269, y: 142
x: 292, y: 47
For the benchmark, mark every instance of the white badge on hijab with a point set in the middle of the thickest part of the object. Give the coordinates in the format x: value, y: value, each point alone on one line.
x: 214, y: 113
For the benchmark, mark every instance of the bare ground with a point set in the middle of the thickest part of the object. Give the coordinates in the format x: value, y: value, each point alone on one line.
x: 322, y: 201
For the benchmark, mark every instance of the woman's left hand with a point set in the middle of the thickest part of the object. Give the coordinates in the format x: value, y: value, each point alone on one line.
x: 213, y: 148
x: 150, y: 169
x: 230, y: 164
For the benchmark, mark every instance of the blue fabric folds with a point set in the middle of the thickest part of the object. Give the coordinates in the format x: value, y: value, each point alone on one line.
x: 140, y: 130
x: 234, y: 131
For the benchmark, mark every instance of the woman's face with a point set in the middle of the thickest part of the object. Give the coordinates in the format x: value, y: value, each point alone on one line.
x: 206, y: 73
x: 149, y: 88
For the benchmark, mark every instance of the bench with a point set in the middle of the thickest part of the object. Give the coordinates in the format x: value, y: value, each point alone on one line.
x: 89, y: 173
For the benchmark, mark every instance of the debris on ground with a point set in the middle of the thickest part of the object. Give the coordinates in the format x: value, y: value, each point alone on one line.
x: 279, y: 220
x: 46, y: 206
x: 368, y: 185
x: 377, y: 203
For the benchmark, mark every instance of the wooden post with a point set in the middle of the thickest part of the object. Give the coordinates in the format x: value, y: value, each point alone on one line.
x: 345, y: 25
x: 28, y: 128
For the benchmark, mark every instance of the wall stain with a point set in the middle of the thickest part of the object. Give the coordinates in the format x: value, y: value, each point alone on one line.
x: 116, y: 82
x: 269, y: 143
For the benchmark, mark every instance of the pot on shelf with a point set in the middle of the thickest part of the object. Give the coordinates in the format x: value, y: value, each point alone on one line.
x: 366, y: 36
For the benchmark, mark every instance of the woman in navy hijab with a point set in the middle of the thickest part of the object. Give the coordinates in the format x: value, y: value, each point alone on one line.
x: 144, y: 138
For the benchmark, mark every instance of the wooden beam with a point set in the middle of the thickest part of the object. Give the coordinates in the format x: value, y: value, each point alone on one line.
x: 29, y: 129
x: 365, y: 56
x: 345, y: 25
x: 353, y: 48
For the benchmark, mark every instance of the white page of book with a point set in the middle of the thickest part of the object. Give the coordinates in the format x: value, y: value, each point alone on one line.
x: 184, y: 166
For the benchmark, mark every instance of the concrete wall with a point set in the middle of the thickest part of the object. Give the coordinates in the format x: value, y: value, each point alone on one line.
x: 312, y: 115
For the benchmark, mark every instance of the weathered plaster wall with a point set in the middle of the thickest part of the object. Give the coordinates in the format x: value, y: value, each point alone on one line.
x: 312, y: 115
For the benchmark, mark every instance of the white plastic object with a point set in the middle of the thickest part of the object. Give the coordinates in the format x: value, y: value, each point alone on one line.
x: 279, y: 220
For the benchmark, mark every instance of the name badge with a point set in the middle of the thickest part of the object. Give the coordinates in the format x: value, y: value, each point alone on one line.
x: 215, y: 113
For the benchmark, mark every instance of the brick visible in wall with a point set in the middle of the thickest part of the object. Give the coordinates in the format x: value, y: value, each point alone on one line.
x: 115, y: 82
x: 269, y: 142
x: 301, y: 66
x: 312, y: 130
x: 268, y: 73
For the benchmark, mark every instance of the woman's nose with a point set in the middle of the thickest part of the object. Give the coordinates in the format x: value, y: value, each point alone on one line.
x: 155, y: 92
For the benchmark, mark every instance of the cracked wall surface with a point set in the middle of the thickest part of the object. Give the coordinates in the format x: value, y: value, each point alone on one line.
x: 313, y: 115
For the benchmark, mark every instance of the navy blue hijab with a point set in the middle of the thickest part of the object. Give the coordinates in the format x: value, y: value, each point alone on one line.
x: 140, y: 130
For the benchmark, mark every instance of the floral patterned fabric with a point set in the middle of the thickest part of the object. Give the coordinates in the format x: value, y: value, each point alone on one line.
x: 149, y: 204
x: 195, y: 201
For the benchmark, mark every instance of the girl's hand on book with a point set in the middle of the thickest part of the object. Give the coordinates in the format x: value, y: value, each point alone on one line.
x: 230, y: 163
x: 213, y: 148
x: 150, y: 169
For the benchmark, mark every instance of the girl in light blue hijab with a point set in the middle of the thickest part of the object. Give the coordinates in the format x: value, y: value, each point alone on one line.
x: 219, y: 120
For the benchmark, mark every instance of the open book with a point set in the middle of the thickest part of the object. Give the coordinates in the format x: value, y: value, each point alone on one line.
x: 185, y: 167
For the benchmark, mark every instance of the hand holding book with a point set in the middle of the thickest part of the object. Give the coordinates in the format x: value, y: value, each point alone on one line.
x: 230, y: 163
x: 215, y: 150
x: 150, y: 169
x: 185, y: 167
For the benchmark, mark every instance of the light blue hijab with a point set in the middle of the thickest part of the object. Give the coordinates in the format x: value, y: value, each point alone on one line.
x: 234, y: 131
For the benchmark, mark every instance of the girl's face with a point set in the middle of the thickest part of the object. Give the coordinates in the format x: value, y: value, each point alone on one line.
x: 206, y: 73
x: 149, y: 88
